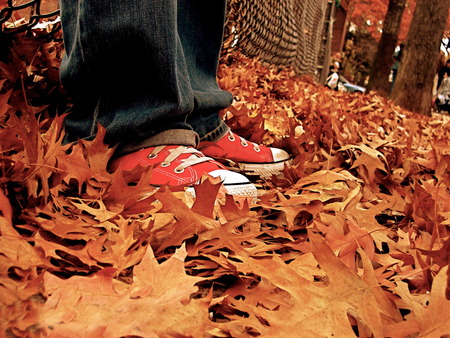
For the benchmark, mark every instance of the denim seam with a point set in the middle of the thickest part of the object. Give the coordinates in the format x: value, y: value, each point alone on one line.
x: 169, y: 137
x: 95, y: 118
x: 217, y: 133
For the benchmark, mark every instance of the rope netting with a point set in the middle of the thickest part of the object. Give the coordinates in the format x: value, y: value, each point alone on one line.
x: 282, y: 32
x: 288, y: 33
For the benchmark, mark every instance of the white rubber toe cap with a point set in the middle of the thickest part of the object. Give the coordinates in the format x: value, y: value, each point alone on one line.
x: 229, y: 177
x: 235, y: 183
x: 279, y: 155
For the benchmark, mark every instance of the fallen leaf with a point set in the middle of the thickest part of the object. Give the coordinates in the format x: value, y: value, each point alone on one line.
x: 157, y: 302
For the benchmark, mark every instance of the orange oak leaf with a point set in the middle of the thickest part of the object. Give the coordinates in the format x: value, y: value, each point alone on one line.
x: 316, y: 309
x: 429, y: 317
x: 370, y: 159
x: 206, y: 195
x: 187, y: 223
x: 156, y: 303
x: 372, y: 177
x: 12, y: 245
x: 345, y: 237
x: 19, y: 277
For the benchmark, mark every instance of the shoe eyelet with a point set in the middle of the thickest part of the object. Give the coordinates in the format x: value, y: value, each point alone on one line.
x: 257, y: 149
x: 164, y: 164
x: 152, y: 156
x: 178, y: 171
x: 231, y: 138
x: 244, y: 144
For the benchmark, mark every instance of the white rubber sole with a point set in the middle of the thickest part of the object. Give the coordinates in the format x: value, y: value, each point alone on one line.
x: 238, y: 190
x: 265, y: 170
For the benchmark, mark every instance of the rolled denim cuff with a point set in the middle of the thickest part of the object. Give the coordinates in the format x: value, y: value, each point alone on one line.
x: 217, y: 133
x: 182, y: 137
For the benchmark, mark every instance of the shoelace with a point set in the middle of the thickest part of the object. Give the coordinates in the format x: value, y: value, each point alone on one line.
x: 244, y: 143
x: 196, y: 157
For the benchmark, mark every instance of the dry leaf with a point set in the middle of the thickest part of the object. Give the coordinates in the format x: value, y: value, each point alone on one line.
x: 156, y: 304
x: 351, y: 238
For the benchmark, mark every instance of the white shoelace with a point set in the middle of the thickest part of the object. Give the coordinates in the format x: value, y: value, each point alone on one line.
x: 196, y: 157
x: 244, y: 142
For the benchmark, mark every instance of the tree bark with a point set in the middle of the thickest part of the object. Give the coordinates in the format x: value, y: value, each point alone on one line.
x: 414, y: 84
x: 381, y: 67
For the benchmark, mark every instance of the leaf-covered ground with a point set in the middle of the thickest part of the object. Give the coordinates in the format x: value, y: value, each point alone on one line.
x: 352, y: 241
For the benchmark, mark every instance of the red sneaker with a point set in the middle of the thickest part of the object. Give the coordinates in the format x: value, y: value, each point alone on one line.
x: 181, y: 165
x: 250, y: 158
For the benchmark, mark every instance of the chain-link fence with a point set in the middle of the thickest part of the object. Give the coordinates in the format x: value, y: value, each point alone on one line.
x: 282, y: 32
x: 23, y: 15
x: 293, y: 33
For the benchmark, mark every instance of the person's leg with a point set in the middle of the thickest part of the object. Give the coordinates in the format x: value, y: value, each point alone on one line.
x: 201, y: 27
x: 125, y: 69
x: 394, y: 76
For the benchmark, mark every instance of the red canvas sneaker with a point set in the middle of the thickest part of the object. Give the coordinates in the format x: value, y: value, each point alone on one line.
x: 247, y: 157
x: 181, y: 165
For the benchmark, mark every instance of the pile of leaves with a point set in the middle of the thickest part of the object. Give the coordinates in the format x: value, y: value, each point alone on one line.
x: 353, y: 240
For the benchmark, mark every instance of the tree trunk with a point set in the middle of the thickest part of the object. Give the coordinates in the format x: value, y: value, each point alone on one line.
x: 414, y: 84
x: 381, y: 67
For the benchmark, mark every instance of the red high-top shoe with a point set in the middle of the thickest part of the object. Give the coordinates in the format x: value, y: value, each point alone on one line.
x: 181, y: 165
x: 247, y: 157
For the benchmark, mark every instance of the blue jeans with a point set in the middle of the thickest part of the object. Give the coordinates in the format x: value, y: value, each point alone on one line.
x: 141, y: 68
